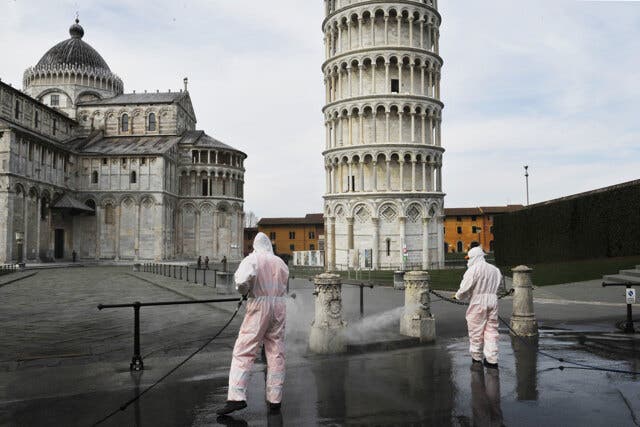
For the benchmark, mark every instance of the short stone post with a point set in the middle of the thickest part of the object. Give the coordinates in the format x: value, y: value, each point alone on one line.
x: 417, y: 320
x: 523, y: 320
x: 327, y: 329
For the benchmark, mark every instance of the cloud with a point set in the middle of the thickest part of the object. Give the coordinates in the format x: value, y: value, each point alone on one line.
x: 552, y: 84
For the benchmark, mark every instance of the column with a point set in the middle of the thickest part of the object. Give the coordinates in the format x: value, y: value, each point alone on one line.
x: 350, y: 120
x: 417, y: 320
x: 349, y: 35
x: 327, y: 330
x: 373, y: 78
x: 399, y: 125
x: 412, y: 67
x: 430, y: 85
x: 423, y: 117
x: 422, y: 88
x: 360, y: 85
x: 425, y: 243
x: 388, y: 175
x: 136, y: 242
x: 360, y: 31
x: 373, y: 30
x: 327, y: 170
x: 117, y: 212
x: 339, y: 37
x: 440, y: 241
x: 386, y: 29
x: 215, y: 233
x: 439, y: 177
x: 438, y: 134
x: 38, y: 221
x: 334, y: 89
x: 399, y: 19
x: 350, y: 171
x: 399, y: 75
x: 334, y: 131
x: 374, y: 115
x: 374, y: 186
x: 403, y: 239
x: 387, y: 130
x: 350, y: 233
x: 327, y: 135
x: 349, y: 86
x: 197, y: 233
x: 401, y: 174
x: 98, y: 229
x: 340, y: 83
x: 413, y: 175
x: 376, y: 243
x: 25, y: 221
x: 411, y: 18
x: 341, y: 131
x: 413, y: 126
x: 386, y: 76
x: 430, y: 131
x: 523, y: 320
x: 421, y: 33
x: 361, y: 132
x: 424, y: 176
x: 361, y: 189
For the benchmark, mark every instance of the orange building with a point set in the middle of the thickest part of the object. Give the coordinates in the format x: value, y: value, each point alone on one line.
x: 464, y: 226
x: 294, y: 234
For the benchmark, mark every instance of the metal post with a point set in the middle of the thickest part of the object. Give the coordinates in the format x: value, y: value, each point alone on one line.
x: 526, y: 177
x: 361, y: 301
x: 174, y: 271
x: 204, y: 277
x: 215, y: 278
x: 628, y: 327
x: 187, y: 273
x: 195, y: 276
x: 180, y: 272
x: 136, y: 360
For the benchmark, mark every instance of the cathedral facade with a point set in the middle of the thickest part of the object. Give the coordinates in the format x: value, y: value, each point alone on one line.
x: 88, y: 169
x: 384, y: 203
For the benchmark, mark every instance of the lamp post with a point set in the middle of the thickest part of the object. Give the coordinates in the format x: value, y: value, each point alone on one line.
x: 526, y: 177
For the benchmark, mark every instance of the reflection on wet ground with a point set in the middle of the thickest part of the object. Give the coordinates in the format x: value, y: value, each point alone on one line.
x: 429, y: 385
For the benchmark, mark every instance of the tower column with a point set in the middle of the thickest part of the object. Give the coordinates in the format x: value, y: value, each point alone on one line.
x: 375, y: 255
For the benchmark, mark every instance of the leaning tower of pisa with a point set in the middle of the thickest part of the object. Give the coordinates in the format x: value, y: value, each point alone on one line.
x: 384, y: 205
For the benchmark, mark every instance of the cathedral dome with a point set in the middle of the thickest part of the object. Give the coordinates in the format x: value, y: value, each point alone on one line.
x: 73, y: 52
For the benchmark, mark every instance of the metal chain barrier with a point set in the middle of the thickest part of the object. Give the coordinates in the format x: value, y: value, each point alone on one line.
x: 576, y: 365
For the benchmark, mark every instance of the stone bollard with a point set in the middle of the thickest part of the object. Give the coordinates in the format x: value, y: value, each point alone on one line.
x: 523, y: 320
x: 417, y: 320
x: 327, y: 329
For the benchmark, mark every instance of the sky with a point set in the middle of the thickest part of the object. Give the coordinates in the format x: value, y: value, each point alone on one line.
x: 552, y: 84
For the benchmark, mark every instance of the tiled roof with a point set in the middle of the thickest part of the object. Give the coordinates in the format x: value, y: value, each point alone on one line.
x: 101, y: 145
x: 481, y: 210
x: 68, y: 202
x: 200, y: 139
x: 139, y: 98
x: 317, y: 219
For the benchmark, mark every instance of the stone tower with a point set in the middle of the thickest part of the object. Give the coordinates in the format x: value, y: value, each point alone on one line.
x: 384, y: 203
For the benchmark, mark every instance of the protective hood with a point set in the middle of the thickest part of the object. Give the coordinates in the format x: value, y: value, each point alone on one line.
x: 262, y: 244
x: 476, y: 255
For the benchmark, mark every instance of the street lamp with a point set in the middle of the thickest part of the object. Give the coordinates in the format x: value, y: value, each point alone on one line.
x: 526, y: 177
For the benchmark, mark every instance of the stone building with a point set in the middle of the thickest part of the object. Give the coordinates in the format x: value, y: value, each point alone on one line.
x: 466, y: 226
x: 110, y: 175
x: 384, y: 205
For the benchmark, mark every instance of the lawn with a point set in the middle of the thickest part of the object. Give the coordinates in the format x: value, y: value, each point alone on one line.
x: 542, y: 275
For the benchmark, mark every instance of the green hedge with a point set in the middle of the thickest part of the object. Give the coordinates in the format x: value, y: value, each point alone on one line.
x: 600, y: 224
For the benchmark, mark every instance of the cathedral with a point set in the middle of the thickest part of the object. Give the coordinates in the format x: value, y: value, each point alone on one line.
x: 91, y: 172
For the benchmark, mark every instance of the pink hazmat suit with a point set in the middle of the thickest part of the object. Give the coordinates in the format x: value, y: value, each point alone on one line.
x: 262, y: 276
x: 480, y: 286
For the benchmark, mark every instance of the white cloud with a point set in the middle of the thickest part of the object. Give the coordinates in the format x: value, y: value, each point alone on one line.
x: 549, y: 83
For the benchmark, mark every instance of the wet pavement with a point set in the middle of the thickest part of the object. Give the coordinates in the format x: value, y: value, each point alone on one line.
x: 62, y: 362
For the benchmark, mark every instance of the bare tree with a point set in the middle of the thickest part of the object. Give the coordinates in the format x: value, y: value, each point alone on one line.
x: 250, y: 220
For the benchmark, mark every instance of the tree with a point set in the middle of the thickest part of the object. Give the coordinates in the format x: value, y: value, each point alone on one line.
x: 250, y: 220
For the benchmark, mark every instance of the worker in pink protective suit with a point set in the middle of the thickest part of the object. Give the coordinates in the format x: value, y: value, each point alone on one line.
x: 262, y: 277
x: 480, y: 286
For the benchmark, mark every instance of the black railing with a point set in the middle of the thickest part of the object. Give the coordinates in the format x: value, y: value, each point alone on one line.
x: 8, y: 268
x: 136, y: 361
x: 179, y: 272
x: 628, y: 326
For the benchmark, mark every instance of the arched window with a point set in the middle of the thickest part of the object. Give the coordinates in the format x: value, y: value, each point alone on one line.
x: 459, y: 247
x: 94, y: 177
x: 134, y: 177
x: 124, y: 123
x: 151, y: 122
